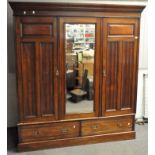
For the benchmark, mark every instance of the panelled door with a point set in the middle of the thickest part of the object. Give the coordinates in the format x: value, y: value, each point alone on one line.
x: 37, y: 64
x: 119, y: 65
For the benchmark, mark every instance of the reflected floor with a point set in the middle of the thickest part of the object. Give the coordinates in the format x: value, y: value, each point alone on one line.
x: 84, y: 106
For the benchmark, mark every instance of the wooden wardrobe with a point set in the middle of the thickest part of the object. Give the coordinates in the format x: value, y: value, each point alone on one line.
x: 94, y: 47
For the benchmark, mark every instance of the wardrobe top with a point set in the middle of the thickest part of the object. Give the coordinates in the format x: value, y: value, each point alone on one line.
x: 46, y: 6
x: 75, y: 9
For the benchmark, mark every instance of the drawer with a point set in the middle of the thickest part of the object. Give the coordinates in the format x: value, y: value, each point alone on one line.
x: 108, y: 125
x: 49, y: 131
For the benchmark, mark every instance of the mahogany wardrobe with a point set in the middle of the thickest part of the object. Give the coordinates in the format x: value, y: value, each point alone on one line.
x: 77, y: 70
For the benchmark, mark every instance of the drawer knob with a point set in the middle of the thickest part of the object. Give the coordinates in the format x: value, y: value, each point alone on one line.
x: 33, y: 12
x: 136, y: 37
x: 24, y: 12
x: 64, y: 131
x: 94, y: 127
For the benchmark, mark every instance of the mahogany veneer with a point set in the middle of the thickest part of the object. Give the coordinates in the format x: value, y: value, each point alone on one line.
x: 40, y: 57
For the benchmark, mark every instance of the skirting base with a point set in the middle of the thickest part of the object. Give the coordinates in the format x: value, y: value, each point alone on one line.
x: 29, y: 146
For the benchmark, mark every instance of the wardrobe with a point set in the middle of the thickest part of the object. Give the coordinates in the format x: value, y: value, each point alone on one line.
x: 77, y: 67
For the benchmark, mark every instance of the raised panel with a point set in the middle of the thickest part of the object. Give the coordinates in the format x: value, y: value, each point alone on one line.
x: 38, y: 19
x: 28, y: 75
x: 120, y: 69
x: 112, y: 80
x: 119, y: 79
x: 127, y: 74
x: 121, y: 29
x: 47, y: 78
x: 36, y: 29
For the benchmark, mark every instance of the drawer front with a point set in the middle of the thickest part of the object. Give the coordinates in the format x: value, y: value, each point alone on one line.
x: 109, y: 125
x: 50, y: 131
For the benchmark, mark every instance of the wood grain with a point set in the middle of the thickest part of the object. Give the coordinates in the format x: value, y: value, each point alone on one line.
x: 119, y: 64
x: 76, y: 141
x: 40, y: 54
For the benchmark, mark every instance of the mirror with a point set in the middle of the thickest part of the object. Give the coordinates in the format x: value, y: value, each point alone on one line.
x: 80, y: 53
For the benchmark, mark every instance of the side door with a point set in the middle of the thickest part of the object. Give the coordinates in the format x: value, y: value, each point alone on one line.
x: 36, y: 68
x: 119, y: 65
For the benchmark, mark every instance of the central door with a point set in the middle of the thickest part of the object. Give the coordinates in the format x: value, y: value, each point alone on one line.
x: 79, y: 67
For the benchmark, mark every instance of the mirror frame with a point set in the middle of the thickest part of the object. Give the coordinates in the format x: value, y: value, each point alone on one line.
x: 62, y: 68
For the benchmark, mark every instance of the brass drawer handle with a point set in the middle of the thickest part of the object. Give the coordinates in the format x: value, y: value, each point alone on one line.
x: 64, y: 131
x: 119, y: 124
x: 94, y: 127
x: 36, y: 133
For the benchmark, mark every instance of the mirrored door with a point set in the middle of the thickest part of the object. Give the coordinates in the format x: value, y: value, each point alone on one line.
x: 79, y: 50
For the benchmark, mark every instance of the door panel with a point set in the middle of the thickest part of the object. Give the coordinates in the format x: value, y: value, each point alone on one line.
x: 119, y: 64
x: 35, y: 29
x: 121, y: 29
x: 112, y: 76
x: 46, y: 78
x: 127, y: 74
x: 38, y: 52
x: 28, y: 72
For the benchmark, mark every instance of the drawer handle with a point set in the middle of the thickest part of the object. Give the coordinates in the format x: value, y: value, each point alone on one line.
x: 24, y: 12
x: 119, y: 125
x: 64, y: 131
x: 36, y: 133
x: 94, y: 127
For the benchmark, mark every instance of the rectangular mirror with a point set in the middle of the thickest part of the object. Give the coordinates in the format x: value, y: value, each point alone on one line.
x: 80, y: 53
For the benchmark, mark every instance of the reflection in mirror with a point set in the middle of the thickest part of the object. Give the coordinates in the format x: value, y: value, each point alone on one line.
x: 80, y: 51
